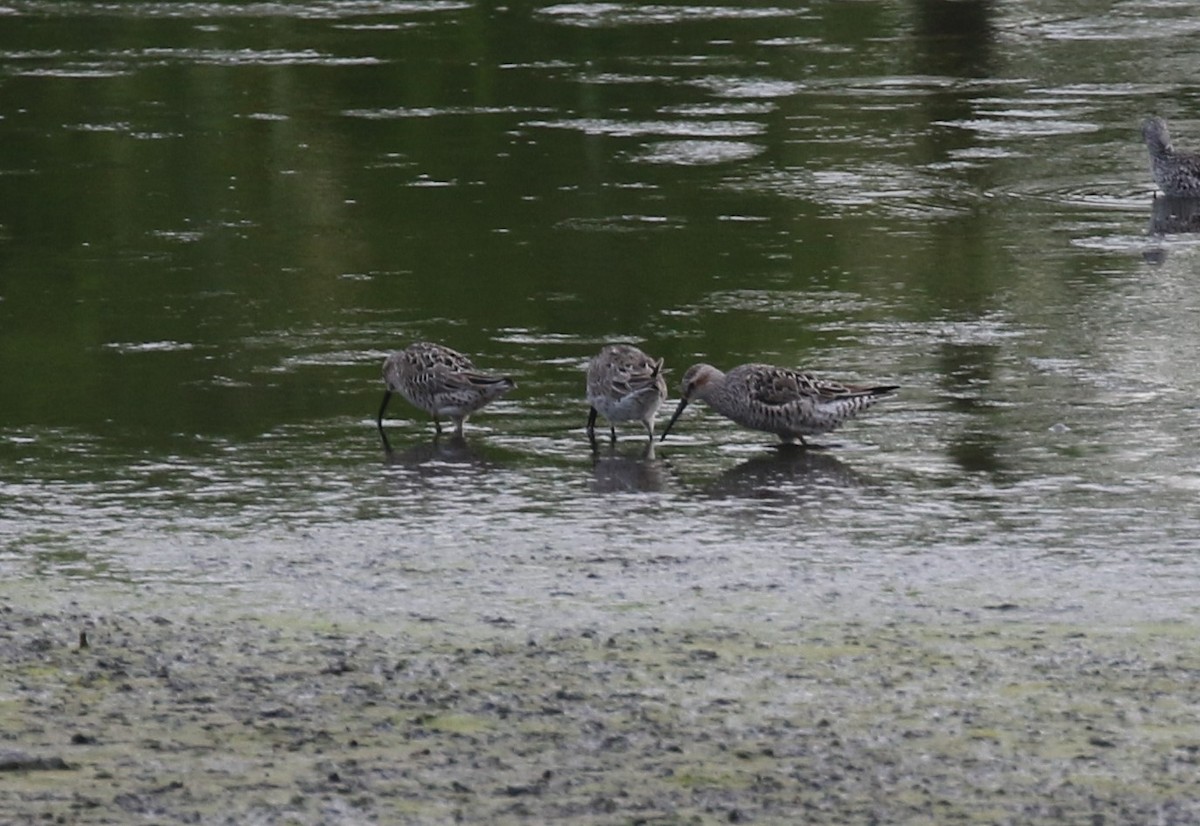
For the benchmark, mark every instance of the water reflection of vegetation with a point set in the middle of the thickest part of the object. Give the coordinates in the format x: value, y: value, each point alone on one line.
x: 977, y: 452
x: 967, y: 370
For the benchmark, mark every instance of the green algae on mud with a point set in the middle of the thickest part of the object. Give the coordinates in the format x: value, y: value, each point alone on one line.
x: 942, y: 717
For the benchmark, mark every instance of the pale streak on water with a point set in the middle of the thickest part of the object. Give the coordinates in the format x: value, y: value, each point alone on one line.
x: 990, y: 215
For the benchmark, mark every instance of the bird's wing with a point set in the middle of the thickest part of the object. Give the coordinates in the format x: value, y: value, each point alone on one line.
x: 470, y: 380
x: 777, y: 387
x: 636, y: 376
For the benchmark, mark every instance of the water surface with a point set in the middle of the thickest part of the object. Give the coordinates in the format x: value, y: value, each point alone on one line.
x: 216, y: 220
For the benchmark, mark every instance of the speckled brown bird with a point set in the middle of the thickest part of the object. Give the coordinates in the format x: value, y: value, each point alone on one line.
x: 624, y: 385
x: 1176, y: 173
x: 440, y: 381
x: 776, y: 400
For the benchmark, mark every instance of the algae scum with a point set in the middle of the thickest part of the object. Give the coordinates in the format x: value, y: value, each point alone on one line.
x: 945, y: 716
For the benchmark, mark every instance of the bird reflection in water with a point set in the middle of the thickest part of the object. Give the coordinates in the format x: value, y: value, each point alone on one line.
x: 445, y: 452
x: 1171, y: 215
x: 627, y: 471
x: 783, y: 472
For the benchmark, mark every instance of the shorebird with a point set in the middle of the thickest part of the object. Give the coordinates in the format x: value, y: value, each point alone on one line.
x: 1176, y: 173
x: 776, y: 400
x: 441, y: 382
x: 624, y: 385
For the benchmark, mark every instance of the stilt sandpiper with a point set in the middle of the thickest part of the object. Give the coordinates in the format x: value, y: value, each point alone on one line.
x: 776, y: 400
x: 1176, y: 173
x: 439, y: 381
x: 624, y: 385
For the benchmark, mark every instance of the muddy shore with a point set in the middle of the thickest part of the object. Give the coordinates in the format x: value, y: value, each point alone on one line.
x: 939, y: 716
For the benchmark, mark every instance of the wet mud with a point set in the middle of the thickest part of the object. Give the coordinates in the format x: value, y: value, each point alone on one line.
x: 944, y: 717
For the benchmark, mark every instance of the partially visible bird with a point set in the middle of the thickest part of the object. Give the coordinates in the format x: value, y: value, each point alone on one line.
x: 624, y: 385
x: 1176, y: 173
x: 777, y: 400
x: 440, y: 381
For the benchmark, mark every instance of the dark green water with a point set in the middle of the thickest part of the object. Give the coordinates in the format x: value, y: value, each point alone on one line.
x: 217, y: 218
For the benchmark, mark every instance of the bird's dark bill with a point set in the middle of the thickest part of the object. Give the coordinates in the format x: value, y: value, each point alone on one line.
x: 678, y: 410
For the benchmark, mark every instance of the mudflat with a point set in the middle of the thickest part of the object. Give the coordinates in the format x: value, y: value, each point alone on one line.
x: 942, y: 715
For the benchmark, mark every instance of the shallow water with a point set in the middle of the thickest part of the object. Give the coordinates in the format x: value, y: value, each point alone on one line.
x: 217, y: 219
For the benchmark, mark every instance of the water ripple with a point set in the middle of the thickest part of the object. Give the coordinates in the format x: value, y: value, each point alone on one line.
x: 595, y: 15
x: 1118, y: 194
x: 696, y: 153
x: 622, y: 223
x: 749, y: 87
x: 787, y: 303
x: 403, y: 112
x: 1023, y: 124
x: 115, y: 64
x: 627, y: 129
x: 149, y: 346
x: 902, y: 190
x: 1114, y: 26
x: 328, y: 10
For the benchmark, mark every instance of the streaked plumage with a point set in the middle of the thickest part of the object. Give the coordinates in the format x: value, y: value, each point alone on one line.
x: 440, y: 381
x: 624, y: 385
x: 785, y: 402
x: 1176, y: 173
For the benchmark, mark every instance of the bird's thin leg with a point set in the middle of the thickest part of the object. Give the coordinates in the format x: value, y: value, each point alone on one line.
x: 387, y: 395
x: 591, y: 425
x: 612, y: 433
x: 437, y: 426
